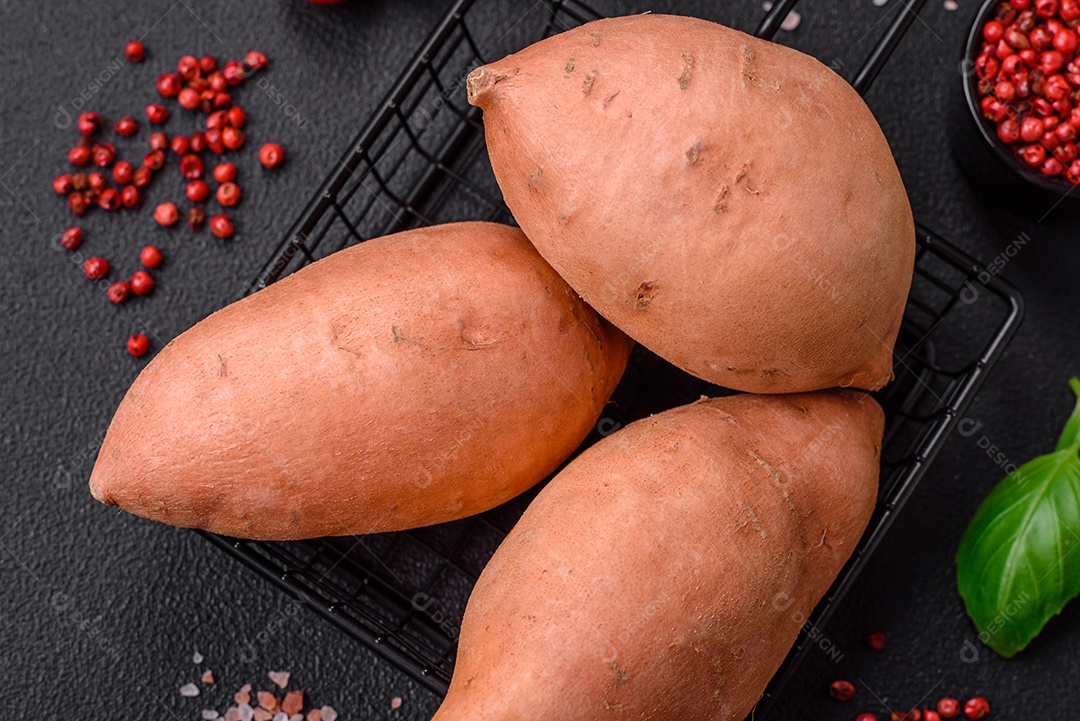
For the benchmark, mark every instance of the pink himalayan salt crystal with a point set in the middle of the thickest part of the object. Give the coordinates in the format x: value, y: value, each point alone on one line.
x: 281, y: 678
x: 328, y: 714
x: 395, y: 703
x: 189, y: 690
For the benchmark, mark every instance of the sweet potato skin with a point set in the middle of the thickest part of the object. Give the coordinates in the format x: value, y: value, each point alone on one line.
x: 729, y: 203
x: 407, y: 381
x: 667, y: 570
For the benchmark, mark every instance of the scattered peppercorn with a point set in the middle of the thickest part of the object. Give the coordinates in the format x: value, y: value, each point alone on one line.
x: 78, y: 203
x: 123, y: 172
x: 197, y: 191
x: 237, y: 117
x: 255, y: 60
x: 119, y: 291
x: 109, y: 199
x: 224, y: 172
x: 232, y: 138
x: 159, y: 140
x: 977, y: 708
x: 79, y: 156
x: 214, y: 142
x: 189, y: 99
x: 948, y: 707
x: 154, y: 160
x: 141, y: 282
x: 841, y: 690
x: 62, y: 183
x: 156, y: 113
x: 166, y: 214
x: 221, y: 226
x: 130, y: 196
x: 196, y: 219
x: 134, y: 51
x: 930, y: 715
x: 72, y: 238
x: 89, y: 123
x: 198, y: 141
x: 95, y: 267
x: 169, y: 85
x: 141, y: 178
x: 191, y: 166
x: 866, y: 717
x: 126, y: 126
x: 228, y: 194
x: 271, y: 155
x: 138, y: 345
x: 150, y: 256
x: 877, y: 641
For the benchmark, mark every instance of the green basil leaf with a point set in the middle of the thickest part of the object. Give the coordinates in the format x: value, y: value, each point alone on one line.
x: 1016, y: 567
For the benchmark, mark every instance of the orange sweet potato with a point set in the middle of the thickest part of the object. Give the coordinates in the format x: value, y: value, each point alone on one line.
x: 729, y: 203
x: 667, y: 570
x: 410, y: 380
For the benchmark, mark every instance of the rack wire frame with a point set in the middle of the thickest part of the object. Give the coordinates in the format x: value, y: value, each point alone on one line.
x: 419, y: 161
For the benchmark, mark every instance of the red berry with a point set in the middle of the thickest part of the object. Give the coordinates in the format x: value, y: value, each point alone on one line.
x: 169, y: 84
x: 207, y: 64
x: 221, y: 100
x: 134, y: 51
x: 930, y: 715
x: 123, y: 172
x: 103, y: 154
x: 150, y: 256
x: 221, y: 226
x: 110, y: 199
x: 225, y: 172
x: 72, y: 238
x: 96, y: 181
x: 1051, y: 61
x: 191, y: 166
x: 228, y: 194
x: 1046, y: 8
x: 877, y: 641
x: 78, y: 156
x: 206, y: 100
x: 271, y: 155
x: 841, y: 690
x: 1034, y: 154
x: 188, y: 67
x: 1050, y: 140
x: 1005, y: 91
x: 214, y: 142
x: 95, y: 267
x: 948, y: 707
x: 126, y: 126
x: 198, y: 141
x: 141, y: 179
x: 217, y: 82
x: 1029, y: 57
x: 912, y: 715
x: 197, y: 191
x: 141, y: 282
x: 1051, y: 167
x: 1066, y: 131
x: 79, y: 181
x: 154, y: 160
x: 199, y: 85
x: 1031, y: 129
x: 255, y: 60
x: 993, y: 31
x: 180, y: 144
x: 233, y: 72
x: 157, y: 114
x: 78, y: 203
x: 166, y: 214
x: 62, y: 184
x: 866, y: 717
x: 1016, y: 39
x: 237, y: 116
x: 1065, y: 41
x: 1008, y: 131
x: 977, y: 708
x: 138, y: 345
x: 217, y: 120
x: 189, y: 99
x: 130, y: 197
x: 158, y: 140
x: 1074, y: 172
x: 195, y: 219
x: 89, y: 123
x: 1070, y: 10
x: 232, y: 138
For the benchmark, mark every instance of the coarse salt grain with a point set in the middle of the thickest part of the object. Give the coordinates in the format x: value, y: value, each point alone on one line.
x: 246, y: 712
x: 297, y: 717
x: 262, y: 714
x: 196, y: 657
x: 233, y: 714
x: 281, y: 717
x: 281, y: 678
x: 243, y: 695
x: 791, y: 21
x: 189, y: 690
x: 951, y: 5
x: 314, y: 714
x: 209, y: 714
x: 208, y: 676
x: 268, y: 700
x: 293, y: 703
x: 328, y: 714
x: 879, y: 3
x: 395, y: 703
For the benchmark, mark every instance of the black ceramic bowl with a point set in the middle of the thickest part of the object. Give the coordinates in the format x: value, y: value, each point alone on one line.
x: 991, y: 165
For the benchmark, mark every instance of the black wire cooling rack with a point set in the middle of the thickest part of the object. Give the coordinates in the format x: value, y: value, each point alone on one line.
x: 419, y: 161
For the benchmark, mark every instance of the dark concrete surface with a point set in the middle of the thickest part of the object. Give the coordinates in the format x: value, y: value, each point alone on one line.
x: 100, y: 613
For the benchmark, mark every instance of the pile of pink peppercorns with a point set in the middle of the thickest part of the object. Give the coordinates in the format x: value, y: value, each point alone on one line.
x: 198, y: 86
x: 1028, y: 77
x: 976, y: 707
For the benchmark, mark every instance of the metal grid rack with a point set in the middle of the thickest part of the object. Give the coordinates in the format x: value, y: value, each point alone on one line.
x: 420, y: 161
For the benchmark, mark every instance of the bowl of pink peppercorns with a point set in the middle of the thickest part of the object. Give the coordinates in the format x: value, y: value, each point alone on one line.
x: 1022, y: 87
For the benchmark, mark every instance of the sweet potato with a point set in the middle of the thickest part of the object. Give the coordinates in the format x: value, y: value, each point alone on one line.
x: 666, y: 571
x: 729, y: 203
x: 410, y: 380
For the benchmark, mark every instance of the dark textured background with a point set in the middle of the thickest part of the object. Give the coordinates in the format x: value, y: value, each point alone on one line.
x: 101, y: 612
